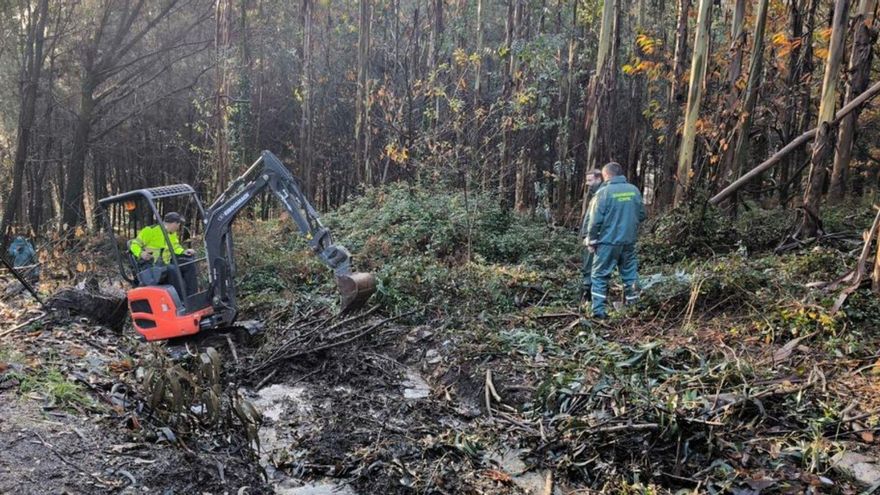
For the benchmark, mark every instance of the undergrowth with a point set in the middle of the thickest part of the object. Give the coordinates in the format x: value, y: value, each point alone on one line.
x: 431, y: 250
x: 444, y: 255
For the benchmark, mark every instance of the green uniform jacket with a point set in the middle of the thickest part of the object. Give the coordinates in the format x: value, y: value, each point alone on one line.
x: 586, y: 222
x: 152, y: 239
x: 615, y: 213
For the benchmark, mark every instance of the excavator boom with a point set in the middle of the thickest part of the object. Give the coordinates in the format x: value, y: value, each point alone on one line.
x: 268, y: 173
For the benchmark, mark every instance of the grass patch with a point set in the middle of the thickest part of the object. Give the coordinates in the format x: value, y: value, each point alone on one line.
x: 58, y: 390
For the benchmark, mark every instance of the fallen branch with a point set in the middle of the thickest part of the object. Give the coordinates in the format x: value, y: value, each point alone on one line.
x: 793, y: 145
x: 65, y: 461
x: 4, y: 333
x: 855, y: 277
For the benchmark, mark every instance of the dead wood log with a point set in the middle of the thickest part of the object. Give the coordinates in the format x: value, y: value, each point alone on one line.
x: 855, y: 277
x: 104, y: 309
x: 876, y: 275
x: 798, y: 141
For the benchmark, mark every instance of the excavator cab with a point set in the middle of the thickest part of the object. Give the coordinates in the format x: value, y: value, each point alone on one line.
x: 162, y: 304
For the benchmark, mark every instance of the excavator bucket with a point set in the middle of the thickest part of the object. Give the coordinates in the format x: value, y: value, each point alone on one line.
x: 355, y: 289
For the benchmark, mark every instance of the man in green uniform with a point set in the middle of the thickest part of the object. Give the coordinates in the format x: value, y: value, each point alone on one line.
x: 150, y: 249
x: 615, y: 214
x: 594, y: 182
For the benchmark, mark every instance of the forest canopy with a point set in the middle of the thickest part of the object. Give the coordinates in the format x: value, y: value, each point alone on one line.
x: 519, y: 98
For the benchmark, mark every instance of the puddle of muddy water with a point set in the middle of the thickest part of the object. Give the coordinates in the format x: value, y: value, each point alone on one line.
x: 415, y: 387
x: 288, y: 414
x: 531, y: 482
x: 315, y: 489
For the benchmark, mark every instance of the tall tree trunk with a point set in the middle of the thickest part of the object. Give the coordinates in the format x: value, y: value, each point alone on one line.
x: 673, y: 105
x: 804, y: 103
x: 362, y: 152
x: 751, y: 94
x: 74, y: 213
x: 737, y: 42
x: 823, y: 143
x: 859, y: 74
x: 306, y: 124
x: 695, y: 94
x: 523, y: 160
x: 32, y: 66
x: 728, y: 116
x: 478, y: 70
x: 507, y: 92
x: 567, y: 82
x: 793, y: 82
x: 222, y: 168
x: 603, y: 55
x: 598, y: 87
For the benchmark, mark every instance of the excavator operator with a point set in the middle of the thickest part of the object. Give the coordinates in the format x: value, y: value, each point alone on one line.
x: 151, y: 251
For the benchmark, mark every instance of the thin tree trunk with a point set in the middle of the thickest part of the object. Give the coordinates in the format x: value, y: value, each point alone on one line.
x: 567, y: 82
x: 695, y: 94
x: 306, y: 123
x: 598, y: 86
x: 751, y: 94
x: 523, y: 160
x: 673, y: 105
x: 859, y: 74
x: 507, y: 91
x: 737, y: 42
x: 362, y: 154
x: 823, y: 144
x: 221, y: 96
x: 793, y: 81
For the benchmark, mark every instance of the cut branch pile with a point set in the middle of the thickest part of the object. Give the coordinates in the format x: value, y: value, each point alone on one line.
x: 314, y: 332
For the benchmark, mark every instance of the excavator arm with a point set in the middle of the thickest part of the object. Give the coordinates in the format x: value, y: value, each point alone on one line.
x: 269, y: 174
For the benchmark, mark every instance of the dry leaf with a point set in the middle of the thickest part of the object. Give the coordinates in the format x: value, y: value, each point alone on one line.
x: 867, y: 436
x: 120, y: 366
x: 496, y: 475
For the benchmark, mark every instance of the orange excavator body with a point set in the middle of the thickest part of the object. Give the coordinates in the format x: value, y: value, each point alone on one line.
x: 156, y: 315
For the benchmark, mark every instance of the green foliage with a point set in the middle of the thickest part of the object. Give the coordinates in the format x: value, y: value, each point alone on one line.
x: 438, y: 248
x: 853, y: 216
x: 273, y: 257
x: 760, y: 229
x: 688, y: 231
x: 387, y: 223
x: 817, y: 264
x: 862, y: 310
x: 430, y: 249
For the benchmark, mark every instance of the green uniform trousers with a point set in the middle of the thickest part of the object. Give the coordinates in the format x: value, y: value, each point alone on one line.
x: 607, y: 258
x: 586, y: 270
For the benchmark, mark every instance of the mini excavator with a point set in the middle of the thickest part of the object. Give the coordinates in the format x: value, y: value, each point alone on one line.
x: 160, y: 311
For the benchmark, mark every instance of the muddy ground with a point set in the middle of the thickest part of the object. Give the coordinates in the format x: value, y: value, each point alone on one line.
x: 402, y: 408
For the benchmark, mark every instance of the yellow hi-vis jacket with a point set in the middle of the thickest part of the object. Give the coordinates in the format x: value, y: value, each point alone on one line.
x: 151, y: 239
